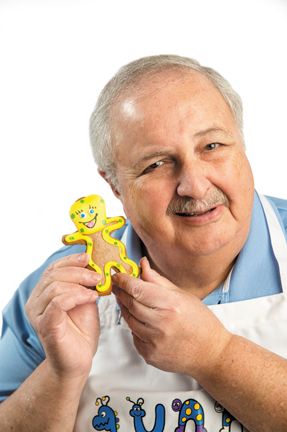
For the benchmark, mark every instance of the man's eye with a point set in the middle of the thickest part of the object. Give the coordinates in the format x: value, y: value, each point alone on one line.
x: 156, y: 164
x: 152, y: 167
x: 212, y: 146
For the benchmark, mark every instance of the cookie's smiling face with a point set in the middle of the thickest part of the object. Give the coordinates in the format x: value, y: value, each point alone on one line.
x: 92, y: 222
x: 89, y: 214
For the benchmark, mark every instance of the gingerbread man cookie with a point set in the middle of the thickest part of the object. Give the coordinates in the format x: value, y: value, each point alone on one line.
x: 93, y: 230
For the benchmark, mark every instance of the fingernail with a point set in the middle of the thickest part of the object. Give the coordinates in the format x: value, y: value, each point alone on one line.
x: 95, y: 294
x: 96, y: 277
x: 83, y: 257
x: 146, y: 260
x: 91, y: 292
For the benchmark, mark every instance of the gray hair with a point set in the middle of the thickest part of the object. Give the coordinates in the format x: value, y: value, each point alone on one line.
x: 127, y: 80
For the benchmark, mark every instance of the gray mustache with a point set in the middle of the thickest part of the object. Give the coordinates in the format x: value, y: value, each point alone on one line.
x: 189, y: 205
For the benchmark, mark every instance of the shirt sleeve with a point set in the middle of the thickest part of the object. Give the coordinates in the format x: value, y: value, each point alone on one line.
x: 21, y: 351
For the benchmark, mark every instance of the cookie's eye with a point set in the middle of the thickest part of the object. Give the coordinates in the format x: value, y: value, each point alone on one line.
x: 83, y: 215
x: 91, y: 211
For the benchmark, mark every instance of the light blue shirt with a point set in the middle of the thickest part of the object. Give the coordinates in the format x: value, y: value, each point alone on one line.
x: 255, y: 275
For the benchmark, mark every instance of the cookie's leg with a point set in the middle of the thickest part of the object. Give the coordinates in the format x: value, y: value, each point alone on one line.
x: 135, y: 268
x: 106, y: 287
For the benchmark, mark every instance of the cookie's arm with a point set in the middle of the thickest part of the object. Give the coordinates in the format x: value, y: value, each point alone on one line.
x: 74, y: 238
x: 78, y: 238
x: 117, y: 222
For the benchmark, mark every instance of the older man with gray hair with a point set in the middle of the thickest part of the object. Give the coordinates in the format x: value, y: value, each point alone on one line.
x: 202, y: 336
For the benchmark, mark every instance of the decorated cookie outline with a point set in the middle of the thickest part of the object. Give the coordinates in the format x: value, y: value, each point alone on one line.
x: 93, y: 230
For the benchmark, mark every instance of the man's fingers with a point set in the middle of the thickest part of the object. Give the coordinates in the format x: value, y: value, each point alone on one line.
x: 134, y: 288
x: 138, y: 328
x: 149, y: 289
x: 54, y: 290
x: 81, y: 276
x: 65, y: 275
x: 56, y: 310
x: 149, y: 294
x: 75, y: 260
x: 136, y: 309
x: 68, y: 269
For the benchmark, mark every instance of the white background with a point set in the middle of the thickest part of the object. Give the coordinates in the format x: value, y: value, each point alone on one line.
x: 55, y: 57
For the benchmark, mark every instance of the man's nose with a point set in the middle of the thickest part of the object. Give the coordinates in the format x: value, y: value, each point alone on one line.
x: 193, y: 181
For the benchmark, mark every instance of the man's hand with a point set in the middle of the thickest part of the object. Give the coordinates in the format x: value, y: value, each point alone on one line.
x: 63, y: 312
x: 172, y: 329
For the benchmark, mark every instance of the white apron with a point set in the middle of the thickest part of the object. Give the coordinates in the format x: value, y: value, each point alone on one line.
x: 124, y: 392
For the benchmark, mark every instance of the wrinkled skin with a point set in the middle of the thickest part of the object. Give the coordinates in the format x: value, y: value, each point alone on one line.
x: 177, y: 142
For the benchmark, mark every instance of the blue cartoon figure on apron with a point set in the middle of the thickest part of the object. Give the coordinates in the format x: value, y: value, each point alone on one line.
x: 189, y: 410
x: 107, y: 418
x: 137, y: 413
x: 227, y: 418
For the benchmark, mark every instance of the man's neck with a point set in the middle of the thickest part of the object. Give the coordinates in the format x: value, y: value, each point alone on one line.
x: 200, y: 275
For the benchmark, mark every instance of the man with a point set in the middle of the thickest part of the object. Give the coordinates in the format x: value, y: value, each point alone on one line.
x: 167, y: 136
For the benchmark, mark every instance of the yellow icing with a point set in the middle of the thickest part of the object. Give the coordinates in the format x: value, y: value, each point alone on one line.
x: 89, y: 217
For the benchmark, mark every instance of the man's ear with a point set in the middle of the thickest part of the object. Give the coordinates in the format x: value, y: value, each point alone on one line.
x: 114, y: 189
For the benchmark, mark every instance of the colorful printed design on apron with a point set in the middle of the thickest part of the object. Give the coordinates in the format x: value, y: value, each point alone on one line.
x: 106, y: 418
x: 138, y: 413
x: 189, y: 410
x: 227, y: 418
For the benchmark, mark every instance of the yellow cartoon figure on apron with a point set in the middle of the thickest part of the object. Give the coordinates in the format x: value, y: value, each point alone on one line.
x: 93, y: 230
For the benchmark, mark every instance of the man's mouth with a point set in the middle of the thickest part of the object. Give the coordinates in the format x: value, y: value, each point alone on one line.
x: 192, y: 208
x: 195, y: 214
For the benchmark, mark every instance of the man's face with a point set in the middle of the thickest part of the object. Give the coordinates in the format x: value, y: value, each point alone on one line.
x: 186, y: 184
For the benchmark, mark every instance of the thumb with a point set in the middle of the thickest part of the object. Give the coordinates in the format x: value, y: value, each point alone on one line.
x: 150, y: 275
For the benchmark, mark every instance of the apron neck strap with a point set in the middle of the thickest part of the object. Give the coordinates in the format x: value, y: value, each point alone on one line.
x: 278, y: 240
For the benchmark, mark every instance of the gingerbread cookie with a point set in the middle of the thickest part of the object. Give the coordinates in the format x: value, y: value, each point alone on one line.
x: 93, y: 230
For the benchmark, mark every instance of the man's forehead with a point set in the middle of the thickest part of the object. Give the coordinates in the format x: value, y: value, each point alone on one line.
x: 177, y: 103
x: 148, y: 91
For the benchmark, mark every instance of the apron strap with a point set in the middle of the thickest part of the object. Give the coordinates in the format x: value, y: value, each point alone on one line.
x: 278, y: 240
x: 226, y: 284
x: 125, y: 236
